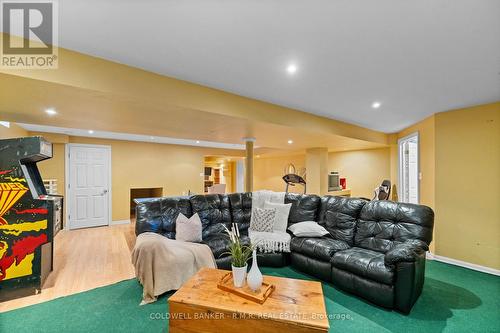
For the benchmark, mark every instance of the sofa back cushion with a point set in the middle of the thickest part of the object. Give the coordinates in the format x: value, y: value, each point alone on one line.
x: 159, y: 215
x: 384, y: 224
x: 339, y: 215
x: 304, y: 207
x: 214, y: 211
x: 241, y: 209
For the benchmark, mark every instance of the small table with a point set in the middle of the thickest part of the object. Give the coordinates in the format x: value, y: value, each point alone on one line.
x: 199, y: 306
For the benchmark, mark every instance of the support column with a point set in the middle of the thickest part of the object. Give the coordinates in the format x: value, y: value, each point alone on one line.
x: 249, y: 164
x: 317, y: 170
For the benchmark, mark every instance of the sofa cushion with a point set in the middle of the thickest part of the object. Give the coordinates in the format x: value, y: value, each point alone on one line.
x: 385, y: 224
x: 304, y: 207
x: 219, y: 244
x: 188, y: 229
x: 363, y: 262
x: 307, y: 229
x: 263, y: 219
x: 318, y: 248
x: 241, y: 209
x: 282, y: 212
x: 379, y: 293
x: 214, y: 212
x: 339, y: 215
x: 159, y: 215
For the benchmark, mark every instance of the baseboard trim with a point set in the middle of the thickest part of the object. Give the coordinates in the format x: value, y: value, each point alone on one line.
x: 120, y: 222
x: 456, y: 262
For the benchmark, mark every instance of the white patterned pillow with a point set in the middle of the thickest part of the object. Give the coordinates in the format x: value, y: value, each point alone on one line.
x: 263, y: 219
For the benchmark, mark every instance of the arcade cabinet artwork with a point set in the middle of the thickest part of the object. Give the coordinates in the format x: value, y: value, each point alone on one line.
x: 26, y: 218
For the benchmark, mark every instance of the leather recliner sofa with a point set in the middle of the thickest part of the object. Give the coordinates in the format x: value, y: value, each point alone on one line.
x: 374, y: 249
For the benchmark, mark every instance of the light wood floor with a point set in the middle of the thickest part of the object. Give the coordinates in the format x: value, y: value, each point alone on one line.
x: 85, y: 259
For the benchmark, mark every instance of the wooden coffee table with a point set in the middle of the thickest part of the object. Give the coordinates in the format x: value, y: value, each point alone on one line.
x: 199, y: 306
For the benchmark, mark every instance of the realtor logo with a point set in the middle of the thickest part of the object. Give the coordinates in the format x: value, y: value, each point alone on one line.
x: 29, y: 35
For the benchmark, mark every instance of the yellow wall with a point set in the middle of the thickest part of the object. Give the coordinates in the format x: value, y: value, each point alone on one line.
x: 174, y: 168
x: 468, y: 185
x: 268, y: 172
x: 317, y: 170
x: 363, y: 169
x: 14, y: 131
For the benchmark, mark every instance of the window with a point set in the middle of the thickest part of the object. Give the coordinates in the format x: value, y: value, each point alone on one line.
x: 409, y: 169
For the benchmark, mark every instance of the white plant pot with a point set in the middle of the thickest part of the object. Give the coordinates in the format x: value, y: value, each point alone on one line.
x: 254, y: 277
x: 239, y: 275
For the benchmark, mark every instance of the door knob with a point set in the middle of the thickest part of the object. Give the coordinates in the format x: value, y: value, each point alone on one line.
x: 104, y: 192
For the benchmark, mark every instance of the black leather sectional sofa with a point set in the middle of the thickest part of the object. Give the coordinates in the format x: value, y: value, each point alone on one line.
x: 375, y: 249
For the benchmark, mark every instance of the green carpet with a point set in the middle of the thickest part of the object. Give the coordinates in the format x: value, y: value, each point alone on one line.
x: 454, y: 300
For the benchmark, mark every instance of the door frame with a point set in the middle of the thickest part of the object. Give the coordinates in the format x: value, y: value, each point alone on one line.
x: 67, y: 187
x: 400, y: 178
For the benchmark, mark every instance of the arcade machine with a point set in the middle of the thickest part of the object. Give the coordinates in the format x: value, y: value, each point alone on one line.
x: 26, y: 218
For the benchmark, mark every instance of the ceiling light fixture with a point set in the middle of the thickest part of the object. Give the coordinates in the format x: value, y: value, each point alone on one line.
x: 376, y: 105
x: 197, y: 141
x: 91, y: 132
x: 290, y: 142
x: 291, y: 69
x: 51, y: 112
x: 152, y: 137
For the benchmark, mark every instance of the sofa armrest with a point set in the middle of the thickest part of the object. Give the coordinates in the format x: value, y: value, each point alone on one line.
x: 405, y: 252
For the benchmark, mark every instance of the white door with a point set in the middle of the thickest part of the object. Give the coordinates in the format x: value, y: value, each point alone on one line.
x: 408, y: 169
x: 89, y: 169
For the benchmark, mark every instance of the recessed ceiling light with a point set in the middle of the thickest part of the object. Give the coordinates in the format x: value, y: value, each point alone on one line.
x: 376, y: 105
x: 197, y: 141
x: 91, y: 132
x: 290, y: 142
x: 258, y: 156
x: 291, y: 69
x: 51, y: 112
x: 152, y: 137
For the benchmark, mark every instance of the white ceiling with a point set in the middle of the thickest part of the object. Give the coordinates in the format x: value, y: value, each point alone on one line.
x: 416, y: 57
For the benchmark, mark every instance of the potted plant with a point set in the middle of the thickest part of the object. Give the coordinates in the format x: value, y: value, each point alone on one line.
x: 239, y: 255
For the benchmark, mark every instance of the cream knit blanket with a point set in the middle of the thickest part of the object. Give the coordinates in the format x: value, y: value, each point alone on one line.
x: 163, y: 264
x: 274, y: 241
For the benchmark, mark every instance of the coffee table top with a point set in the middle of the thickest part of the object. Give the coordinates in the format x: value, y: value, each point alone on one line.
x: 298, y: 301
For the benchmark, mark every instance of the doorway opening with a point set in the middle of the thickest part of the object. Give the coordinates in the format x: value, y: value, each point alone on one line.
x: 220, y: 174
x: 409, y: 190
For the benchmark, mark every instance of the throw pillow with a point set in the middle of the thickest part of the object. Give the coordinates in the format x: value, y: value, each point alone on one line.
x: 282, y: 212
x: 263, y: 219
x: 307, y: 229
x: 188, y: 229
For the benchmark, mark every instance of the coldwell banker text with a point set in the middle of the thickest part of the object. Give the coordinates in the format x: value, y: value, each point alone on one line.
x: 29, y: 35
